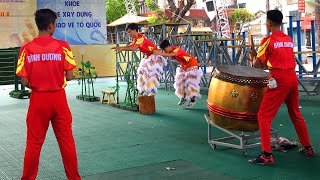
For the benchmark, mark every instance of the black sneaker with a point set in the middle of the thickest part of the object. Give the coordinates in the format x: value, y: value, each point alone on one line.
x: 182, y: 101
x: 262, y: 160
x: 191, y: 104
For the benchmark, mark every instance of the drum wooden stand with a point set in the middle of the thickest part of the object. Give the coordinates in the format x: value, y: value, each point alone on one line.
x: 242, y: 137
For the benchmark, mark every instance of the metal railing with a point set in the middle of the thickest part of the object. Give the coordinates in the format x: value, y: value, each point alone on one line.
x: 211, y: 51
x: 8, y: 63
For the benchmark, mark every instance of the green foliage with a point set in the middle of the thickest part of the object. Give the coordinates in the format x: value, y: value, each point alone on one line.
x: 152, y: 5
x: 131, y: 97
x: 85, y: 71
x: 241, y: 15
x: 115, y: 9
x: 19, y: 94
x: 152, y: 19
x: 158, y: 17
x: 87, y: 98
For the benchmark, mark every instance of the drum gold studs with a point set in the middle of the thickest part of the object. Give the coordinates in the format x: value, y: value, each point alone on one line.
x: 234, y: 93
x: 254, y: 96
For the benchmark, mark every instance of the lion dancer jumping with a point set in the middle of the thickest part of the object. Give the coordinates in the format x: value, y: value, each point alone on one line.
x: 150, y: 67
x: 188, y: 75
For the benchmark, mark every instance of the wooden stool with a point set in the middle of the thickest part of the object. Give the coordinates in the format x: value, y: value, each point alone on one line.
x: 109, y: 93
x: 147, y: 105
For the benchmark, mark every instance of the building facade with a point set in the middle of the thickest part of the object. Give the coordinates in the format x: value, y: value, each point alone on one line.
x: 196, y: 15
x: 288, y: 8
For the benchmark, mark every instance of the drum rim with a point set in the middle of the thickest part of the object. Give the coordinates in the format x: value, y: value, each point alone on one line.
x: 217, y: 71
x: 241, y: 80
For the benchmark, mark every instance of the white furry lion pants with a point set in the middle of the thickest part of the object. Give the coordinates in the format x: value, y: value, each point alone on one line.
x: 149, y: 71
x: 187, y: 82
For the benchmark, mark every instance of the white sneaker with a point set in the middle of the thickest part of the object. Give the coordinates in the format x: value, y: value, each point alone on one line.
x: 182, y: 101
x: 190, y: 105
x: 151, y: 94
x: 143, y: 93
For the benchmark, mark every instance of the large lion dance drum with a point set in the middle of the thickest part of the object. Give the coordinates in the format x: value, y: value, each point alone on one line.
x: 235, y: 95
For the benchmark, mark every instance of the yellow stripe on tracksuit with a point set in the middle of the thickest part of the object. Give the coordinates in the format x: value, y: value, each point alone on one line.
x: 21, y: 61
x: 139, y: 40
x: 64, y: 83
x: 262, y: 51
x: 263, y: 48
x: 176, y: 50
x: 69, y: 56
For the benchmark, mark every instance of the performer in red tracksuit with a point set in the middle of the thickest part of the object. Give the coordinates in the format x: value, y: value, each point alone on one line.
x: 188, y: 75
x: 150, y: 67
x: 276, y: 53
x: 43, y: 64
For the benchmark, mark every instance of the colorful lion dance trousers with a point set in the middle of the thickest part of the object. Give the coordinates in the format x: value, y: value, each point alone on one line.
x: 149, y: 72
x: 187, y: 82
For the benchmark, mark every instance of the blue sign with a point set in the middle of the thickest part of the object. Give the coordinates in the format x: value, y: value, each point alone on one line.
x: 80, y: 22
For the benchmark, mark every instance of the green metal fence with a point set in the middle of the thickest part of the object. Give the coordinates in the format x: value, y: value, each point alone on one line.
x: 8, y: 63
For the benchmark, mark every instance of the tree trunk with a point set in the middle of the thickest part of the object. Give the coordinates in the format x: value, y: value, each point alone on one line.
x: 267, y: 5
x: 179, y: 12
x: 317, y: 22
x: 172, y: 6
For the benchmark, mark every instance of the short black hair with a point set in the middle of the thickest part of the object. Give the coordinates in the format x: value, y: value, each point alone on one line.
x: 275, y: 16
x: 44, y: 17
x: 133, y: 26
x: 164, y: 44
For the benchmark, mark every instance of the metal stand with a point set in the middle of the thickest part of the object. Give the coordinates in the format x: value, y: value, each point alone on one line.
x: 243, y: 138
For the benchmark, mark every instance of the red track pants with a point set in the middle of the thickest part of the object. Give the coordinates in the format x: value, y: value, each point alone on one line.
x: 286, y: 91
x: 43, y: 107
